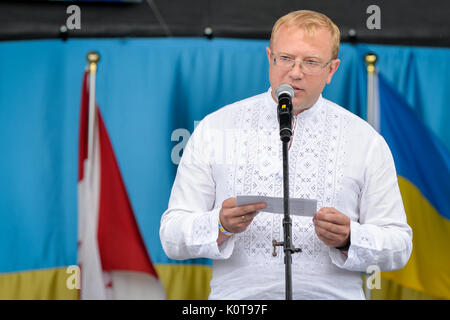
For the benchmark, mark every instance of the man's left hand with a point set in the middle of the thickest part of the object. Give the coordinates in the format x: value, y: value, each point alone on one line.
x: 332, y: 227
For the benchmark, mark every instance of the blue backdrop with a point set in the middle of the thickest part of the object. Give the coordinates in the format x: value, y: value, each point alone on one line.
x: 150, y: 92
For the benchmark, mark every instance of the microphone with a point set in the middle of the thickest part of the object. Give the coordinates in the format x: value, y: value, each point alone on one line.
x: 284, y: 94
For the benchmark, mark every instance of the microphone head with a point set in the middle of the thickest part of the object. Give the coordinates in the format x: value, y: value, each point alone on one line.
x: 285, y: 89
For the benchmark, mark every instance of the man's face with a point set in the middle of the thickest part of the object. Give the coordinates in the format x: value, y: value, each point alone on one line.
x: 296, y: 44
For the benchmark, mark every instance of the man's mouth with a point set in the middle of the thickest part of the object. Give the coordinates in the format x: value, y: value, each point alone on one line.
x: 297, y: 89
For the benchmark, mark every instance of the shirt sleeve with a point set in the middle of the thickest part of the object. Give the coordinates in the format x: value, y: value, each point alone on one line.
x: 189, y: 227
x: 382, y: 236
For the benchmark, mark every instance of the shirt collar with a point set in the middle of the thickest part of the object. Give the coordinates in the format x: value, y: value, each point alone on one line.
x: 304, y: 114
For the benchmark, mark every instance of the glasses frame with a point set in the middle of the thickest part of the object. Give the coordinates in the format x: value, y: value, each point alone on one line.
x: 301, y: 62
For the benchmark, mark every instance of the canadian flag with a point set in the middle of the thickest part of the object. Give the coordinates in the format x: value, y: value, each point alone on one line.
x: 112, y: 256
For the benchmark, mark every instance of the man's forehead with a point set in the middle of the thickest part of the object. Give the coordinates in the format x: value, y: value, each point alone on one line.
x: 318, y: 39
x: 310, y: 31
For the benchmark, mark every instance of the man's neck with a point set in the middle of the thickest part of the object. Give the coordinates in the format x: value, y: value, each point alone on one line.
x: 299, y: 109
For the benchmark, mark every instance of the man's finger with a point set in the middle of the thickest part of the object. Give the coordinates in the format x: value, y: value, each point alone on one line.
x: 246, y: 218
x: 327, y: 236
x: 332, y: 216
x: 331, y: 227
x: 242, y: 210
x: 229, y: 203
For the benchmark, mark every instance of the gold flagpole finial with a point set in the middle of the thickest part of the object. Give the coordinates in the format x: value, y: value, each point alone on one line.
x: 93, y: 58
x: 371, y: 60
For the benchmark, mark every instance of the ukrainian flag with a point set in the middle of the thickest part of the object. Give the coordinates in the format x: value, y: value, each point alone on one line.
x: 423, y: 168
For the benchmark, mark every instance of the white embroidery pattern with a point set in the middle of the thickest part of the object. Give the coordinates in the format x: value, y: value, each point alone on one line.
x: 201, y: 229
x: 315, y: 168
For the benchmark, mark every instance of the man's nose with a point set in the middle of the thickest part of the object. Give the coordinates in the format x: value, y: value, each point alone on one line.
x: 296, y: 71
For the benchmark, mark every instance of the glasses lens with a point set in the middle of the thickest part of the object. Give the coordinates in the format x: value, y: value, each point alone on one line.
x: 284, y: 62
x: 310, y: 67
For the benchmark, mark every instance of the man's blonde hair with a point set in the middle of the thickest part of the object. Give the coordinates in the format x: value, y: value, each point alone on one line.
x: 309, y: 21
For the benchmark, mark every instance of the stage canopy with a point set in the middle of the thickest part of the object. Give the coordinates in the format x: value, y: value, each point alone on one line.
x: 419, y: 22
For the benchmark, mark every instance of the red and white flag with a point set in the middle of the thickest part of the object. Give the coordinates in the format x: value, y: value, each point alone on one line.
x: 112, y: 255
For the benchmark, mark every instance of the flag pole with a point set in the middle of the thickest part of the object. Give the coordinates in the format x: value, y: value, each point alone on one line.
x: 372, y: 119
x: 372, y: 105
x: 92, y: 58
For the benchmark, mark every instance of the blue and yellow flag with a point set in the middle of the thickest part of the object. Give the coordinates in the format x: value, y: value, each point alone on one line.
x: 423, y: 168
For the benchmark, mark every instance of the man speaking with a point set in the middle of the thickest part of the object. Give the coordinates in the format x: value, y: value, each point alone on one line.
x: 335, y: 158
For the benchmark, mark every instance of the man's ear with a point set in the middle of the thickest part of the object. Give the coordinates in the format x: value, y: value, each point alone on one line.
x: 334, y: 66
x: 268, y: 54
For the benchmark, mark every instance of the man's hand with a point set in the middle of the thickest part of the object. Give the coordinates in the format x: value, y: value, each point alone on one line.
x: 236, y: 219
x: 332, y: 227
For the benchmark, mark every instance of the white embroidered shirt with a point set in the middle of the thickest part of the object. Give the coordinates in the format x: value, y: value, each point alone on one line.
x: 335, y: 157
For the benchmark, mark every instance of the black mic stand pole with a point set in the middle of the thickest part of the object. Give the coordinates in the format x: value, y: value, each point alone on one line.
x: 285, y: 118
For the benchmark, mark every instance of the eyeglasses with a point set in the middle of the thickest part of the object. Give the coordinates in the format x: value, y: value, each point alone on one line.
x: 307, y: 66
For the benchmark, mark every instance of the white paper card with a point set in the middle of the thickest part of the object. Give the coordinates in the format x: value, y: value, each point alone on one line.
x: 298, y: 207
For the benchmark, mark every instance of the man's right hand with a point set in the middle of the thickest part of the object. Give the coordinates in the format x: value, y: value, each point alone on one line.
x: 236, y: 219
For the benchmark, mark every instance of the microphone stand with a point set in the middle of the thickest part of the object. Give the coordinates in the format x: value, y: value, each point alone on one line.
x: 285, y: 119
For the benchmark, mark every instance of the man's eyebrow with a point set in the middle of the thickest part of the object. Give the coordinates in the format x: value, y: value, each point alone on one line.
x: 286, y: 54
x: 306, y: 57
x: 313, y: 57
